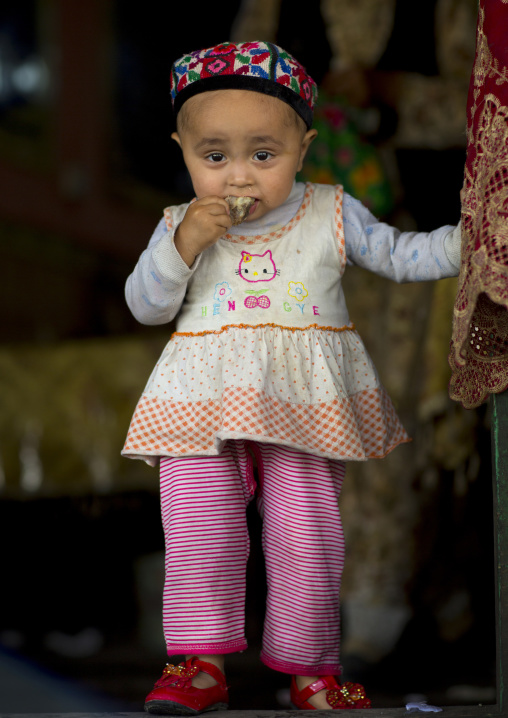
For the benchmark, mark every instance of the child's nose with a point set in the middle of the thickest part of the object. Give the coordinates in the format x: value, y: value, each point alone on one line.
x: 240, y: 175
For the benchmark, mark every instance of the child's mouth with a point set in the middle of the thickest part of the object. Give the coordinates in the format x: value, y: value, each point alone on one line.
x: 254, y: 207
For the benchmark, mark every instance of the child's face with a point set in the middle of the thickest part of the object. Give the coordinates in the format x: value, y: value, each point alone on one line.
x: 242, y: 143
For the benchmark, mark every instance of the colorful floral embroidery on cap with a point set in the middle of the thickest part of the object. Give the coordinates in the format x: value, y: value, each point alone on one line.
x: 255, y: 61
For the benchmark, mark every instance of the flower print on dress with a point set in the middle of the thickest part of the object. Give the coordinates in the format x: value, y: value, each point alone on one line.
x: 298, y: 291
x: 222, y: 291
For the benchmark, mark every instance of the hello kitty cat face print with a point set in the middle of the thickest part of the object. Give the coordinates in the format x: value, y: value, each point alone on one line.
x: 257, y: 267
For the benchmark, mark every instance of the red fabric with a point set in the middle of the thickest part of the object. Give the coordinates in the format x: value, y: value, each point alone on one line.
x: 479, y: 348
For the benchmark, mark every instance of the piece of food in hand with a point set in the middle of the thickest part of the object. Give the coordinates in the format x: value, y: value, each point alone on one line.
x: 239, y: 207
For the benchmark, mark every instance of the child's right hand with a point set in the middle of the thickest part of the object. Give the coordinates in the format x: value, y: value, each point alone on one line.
x: 205, y: 221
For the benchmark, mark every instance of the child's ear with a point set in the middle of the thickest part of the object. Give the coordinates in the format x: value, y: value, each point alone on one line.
x: 176, y: 137
x: 309, y: 136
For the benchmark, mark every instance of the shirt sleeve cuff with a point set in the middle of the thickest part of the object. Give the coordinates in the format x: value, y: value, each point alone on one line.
x: 452, y: 246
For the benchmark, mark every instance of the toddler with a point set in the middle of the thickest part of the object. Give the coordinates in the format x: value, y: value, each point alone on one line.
x: 265, y: 368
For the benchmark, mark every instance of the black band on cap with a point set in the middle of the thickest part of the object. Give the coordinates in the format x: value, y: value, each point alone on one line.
x: 246, y: 82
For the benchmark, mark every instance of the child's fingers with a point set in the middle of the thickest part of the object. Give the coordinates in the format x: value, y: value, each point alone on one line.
x: 212, y: 208
x: 203, y: 224
x: 211, y: 201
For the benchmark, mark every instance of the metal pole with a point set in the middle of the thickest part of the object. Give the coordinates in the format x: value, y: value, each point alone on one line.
x: 500, y: 497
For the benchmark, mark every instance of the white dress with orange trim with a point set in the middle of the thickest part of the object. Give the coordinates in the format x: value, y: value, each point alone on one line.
x: 264, y: 350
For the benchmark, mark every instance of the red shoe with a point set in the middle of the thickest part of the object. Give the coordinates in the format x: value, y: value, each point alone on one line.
x: 174, y: 694
x: 350, y: 695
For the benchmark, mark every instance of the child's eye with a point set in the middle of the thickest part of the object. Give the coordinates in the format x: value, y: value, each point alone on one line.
x: 216, y: 157
x: 263, y: 155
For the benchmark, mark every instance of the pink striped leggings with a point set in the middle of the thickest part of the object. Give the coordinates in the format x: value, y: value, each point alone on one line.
x: 207, y: 545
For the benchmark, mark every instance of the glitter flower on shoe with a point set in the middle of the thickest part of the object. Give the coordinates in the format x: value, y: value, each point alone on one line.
x: 350, y: 695
x: 177, y: 674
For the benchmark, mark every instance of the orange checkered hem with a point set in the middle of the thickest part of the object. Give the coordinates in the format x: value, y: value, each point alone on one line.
x: 362, y: 427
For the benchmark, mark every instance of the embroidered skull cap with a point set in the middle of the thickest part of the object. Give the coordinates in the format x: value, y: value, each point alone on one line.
x: 257, y: 66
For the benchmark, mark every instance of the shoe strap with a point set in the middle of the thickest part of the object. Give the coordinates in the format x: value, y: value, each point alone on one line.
x: 209, y: 668
x: 322, y: 683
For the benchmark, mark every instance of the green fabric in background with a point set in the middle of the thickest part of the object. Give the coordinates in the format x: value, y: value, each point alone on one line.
x: 340, y: 155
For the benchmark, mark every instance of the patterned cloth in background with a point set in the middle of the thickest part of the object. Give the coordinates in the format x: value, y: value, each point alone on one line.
x: 479, y: 348
x: 339, y: 155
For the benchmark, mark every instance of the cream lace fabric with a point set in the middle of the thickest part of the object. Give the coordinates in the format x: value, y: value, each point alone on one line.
x: 479, y: 348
